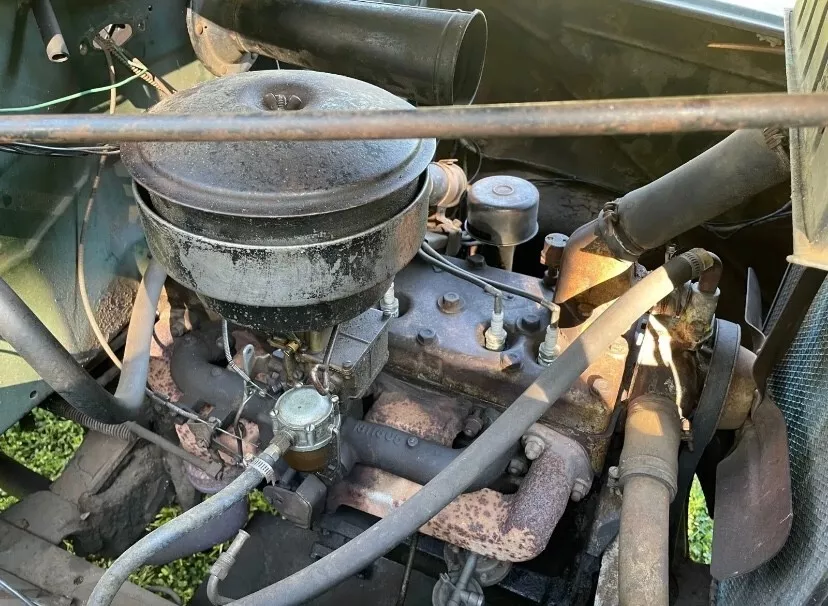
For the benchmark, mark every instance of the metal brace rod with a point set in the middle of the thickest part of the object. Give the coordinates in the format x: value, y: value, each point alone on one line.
x: 547, y: 119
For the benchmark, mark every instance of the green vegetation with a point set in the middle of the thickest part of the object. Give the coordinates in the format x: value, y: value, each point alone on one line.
x: 45, y: 444
x: 699, y: 526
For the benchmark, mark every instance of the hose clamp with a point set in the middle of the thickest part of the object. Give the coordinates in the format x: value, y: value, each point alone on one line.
x: 263, y: 468
x: 651, y: 467
x: 608, y: 228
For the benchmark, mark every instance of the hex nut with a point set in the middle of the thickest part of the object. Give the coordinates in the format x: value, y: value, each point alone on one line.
x: 579, y: 490
x: 534, y: 447
x: 476, y: 261
x: 426, y: 336
x: 450, y: 303
x: 530, y: 323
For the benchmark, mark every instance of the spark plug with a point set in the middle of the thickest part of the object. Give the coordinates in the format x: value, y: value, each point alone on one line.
x: 390, y: 305
x: 495, y: 335
x: 549, y: 350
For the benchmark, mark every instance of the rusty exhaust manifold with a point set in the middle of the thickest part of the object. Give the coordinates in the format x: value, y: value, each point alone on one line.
x: 511, y: 528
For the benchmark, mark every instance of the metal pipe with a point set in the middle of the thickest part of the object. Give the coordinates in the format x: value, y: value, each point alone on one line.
x: 34, y: 343
x: 510, y: 528
x: 429, y: 55
x: 135, y: 368
x: 501, y: 435
x: 47, y: 23
x: 221, y: 568
x: 212, y: 468
x: 547, y: 119
x: 202, y: 381
x: 648, y: 472
x: 465, y: 576
x: 405, y: 455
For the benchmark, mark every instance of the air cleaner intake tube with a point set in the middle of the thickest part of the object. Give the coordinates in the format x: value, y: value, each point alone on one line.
x: 431, y: 56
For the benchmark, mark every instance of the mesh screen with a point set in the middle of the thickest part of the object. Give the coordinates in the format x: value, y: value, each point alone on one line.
x: 799, y: 385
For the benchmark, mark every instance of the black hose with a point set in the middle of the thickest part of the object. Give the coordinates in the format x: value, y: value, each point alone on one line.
x: 34, y: 343
x: 737, y: 168
x: 403, y: 521
x: 189, y: 521
x: 221, y: 529
x: 47, y: 23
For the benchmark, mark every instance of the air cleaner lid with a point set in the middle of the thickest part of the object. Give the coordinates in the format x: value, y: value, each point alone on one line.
x: 315, y: 189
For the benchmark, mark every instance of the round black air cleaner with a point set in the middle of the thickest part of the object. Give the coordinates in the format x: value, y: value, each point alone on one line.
x: 282, y: 235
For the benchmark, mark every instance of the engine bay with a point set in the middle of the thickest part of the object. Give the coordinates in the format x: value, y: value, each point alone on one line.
x: 450, y: 385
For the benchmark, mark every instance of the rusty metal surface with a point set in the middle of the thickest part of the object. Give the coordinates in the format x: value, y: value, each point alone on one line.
x: 590, y: 276
x: 451, y: 357
x: 511, y: 528
x: 754, y: 512
x: 741, y: 392
x: 426, y: 414
x: 664, y: 368
x: 547, y: 119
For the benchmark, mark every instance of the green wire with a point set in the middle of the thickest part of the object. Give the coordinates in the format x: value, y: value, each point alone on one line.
x: 100, y: 89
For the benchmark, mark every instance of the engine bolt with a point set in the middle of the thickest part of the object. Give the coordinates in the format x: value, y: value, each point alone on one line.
x: 579, y: 490
x: 412, y: 442
x: 553, y: 247
x: 518, y: 466
x: 534, y: 447
x: 476, y: 261
x: 390, y: 305
x: 473, y: 424
x: 450, y: 303
x: 530, y: 323
x: 426, y: 336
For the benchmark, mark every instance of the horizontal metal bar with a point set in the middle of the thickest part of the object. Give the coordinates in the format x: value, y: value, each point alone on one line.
x: 548, y: 119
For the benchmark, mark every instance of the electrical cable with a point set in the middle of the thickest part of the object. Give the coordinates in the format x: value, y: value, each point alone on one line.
x: 134, y: 64
x: 409, y: 564
x: 446, y: 265
x: 456, y: 271
x: 91, y: 91
x: 726, y: 230
x: 81, y: 252
x: 225, y: 338
x: 32, y: 149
